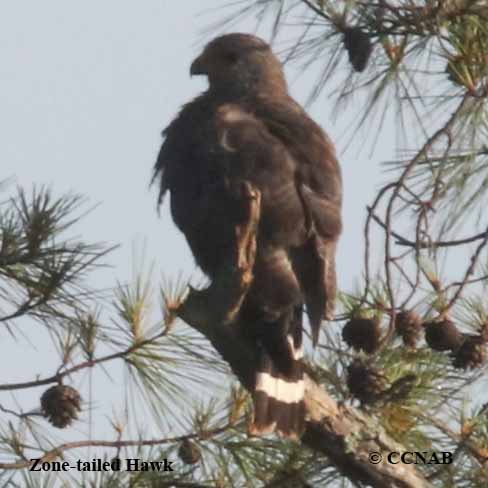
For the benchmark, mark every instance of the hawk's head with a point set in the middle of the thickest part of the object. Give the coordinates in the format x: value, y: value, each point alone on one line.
x: 241, y: 63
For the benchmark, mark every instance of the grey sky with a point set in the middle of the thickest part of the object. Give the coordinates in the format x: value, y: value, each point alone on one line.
x: 86, y: 88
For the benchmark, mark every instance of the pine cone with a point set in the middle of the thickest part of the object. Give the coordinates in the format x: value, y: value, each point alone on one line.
x: 358, y: 46
x: 362, y: 334
x: 401, y: 388
x: 442, y: 335
x: 408, y: 325
x: 189, y: 452
x: 471, y: 354
x: 366, y: 383
x: 61, y: 405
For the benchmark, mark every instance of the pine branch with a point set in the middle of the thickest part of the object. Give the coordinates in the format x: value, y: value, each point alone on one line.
x: 115, y: 444
x: 426, y: 244
x: 56, y: 378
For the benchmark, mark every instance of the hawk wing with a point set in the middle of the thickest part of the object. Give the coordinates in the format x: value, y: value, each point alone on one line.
x: 298, y: 170
x: 190, y: 166
x: 289, y: 159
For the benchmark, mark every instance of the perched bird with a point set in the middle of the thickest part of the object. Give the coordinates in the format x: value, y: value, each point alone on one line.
x: 247, y: 128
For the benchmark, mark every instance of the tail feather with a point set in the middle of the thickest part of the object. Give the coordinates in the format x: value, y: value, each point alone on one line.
x: 279, y: 387
x: 314, y: 263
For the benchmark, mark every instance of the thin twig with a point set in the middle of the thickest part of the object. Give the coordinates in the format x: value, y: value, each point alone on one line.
x: 118, y: 444
x: 56, y: 378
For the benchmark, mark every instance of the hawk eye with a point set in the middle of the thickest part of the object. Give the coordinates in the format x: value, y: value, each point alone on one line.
x: 231, y: 57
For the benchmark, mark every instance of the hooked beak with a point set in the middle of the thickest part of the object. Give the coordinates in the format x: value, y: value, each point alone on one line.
x: 198, y: 66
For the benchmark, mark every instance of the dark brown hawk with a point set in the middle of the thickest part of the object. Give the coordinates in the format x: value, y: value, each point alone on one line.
x: 247, y: 128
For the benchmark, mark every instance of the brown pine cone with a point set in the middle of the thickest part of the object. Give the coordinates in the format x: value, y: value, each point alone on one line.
x: 408, y: 325
x: 442, y: 335
x: 189, y: 452
x: 472, y: 353
x: 358, y: 47
x: 362, y: 334
x: 401, y: 388
x: 61, y: 405
x: 366, y: 383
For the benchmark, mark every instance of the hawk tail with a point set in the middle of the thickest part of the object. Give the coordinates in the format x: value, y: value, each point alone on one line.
x: 279, y: 386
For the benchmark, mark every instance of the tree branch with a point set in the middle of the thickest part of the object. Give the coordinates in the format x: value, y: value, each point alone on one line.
x: 403, y: 241
x: 115, y: 444
x: 56, y: 378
